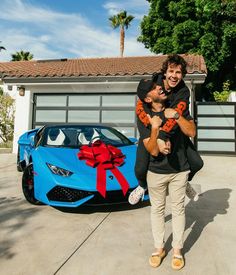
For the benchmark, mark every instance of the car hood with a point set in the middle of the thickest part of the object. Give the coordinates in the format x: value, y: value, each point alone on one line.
x: 67, y: 158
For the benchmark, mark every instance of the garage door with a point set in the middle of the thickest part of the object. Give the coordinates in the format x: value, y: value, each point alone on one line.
x: 117, y: 110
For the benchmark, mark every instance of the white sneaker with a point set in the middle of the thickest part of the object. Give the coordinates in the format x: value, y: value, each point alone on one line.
x: 136, y: 195
x: 191, y: 193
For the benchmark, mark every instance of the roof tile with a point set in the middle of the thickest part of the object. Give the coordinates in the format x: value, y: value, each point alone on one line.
x: 113, y: 66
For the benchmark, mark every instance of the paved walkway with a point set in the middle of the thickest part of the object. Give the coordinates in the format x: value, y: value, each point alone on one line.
x: 42, y: 240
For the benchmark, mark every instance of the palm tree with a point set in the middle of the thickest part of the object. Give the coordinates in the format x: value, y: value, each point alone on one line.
x: 20, y: 56
x: 123, y: 21
x: 1, y: 47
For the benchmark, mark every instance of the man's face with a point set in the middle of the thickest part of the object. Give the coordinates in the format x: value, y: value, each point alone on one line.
x: 173, y: 75
x: 156, y: 95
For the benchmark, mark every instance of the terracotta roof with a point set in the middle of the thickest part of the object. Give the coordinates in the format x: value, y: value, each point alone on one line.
x: 113, y: 66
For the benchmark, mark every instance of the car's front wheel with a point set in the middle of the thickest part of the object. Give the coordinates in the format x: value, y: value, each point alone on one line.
x: 28, y: 185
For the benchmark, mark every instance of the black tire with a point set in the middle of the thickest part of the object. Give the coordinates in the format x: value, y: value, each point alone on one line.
x: 28, y: 185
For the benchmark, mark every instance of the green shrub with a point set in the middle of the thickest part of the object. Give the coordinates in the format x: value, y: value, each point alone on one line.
x: 7, y: 110
x: 224, y: 95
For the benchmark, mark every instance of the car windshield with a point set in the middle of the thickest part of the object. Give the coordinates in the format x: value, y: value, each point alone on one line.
x: 76, y: 136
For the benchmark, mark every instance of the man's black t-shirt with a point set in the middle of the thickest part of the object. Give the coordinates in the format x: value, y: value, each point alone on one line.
x: 174, y: 162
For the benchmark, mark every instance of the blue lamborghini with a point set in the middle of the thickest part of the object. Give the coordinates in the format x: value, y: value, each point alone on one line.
x: 70, y: 165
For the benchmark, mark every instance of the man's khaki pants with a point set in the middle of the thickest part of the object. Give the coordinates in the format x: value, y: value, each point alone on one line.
x: 157, y: 188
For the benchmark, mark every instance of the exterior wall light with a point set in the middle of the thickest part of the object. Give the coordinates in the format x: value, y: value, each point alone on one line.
x: 21, y: 90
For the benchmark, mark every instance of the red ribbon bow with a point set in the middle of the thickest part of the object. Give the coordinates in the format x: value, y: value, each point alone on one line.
x: 104, y: 157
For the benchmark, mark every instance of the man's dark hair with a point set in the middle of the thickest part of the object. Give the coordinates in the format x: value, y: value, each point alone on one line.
x: 176, y: 60
x: 144, y: 87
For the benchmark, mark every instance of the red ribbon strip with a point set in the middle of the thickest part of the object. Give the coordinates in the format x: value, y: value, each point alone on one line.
x: 104, y: 157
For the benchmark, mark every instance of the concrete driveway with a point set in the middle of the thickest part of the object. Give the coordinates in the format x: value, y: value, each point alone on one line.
x: 116, y: 240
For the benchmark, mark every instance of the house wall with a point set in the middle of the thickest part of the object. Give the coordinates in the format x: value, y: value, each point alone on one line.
x: 11, y: 90
x: 23, y: 116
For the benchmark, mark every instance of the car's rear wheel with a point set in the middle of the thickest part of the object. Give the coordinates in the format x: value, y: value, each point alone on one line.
x: 28, y: 185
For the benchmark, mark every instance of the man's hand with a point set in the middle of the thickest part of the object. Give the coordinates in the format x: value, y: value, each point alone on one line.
x: 155, y: 121
x: 151, y: 142
x: 164, y: 146
x: 169, y: 113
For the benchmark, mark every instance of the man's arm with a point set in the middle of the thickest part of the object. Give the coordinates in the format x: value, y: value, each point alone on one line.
x: 142, y: 113
x: 150, y: 143
x: 179, y: 102
x: 186, y: 126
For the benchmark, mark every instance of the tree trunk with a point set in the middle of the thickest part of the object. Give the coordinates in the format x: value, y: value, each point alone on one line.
x: 122, y: 41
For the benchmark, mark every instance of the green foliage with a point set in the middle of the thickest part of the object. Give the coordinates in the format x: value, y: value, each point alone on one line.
x: 185, y: 37
x: 21, y: 56
x: 206, y: 27
x: 121, y: 20
x: 7, y: 110
x: 224, y: 95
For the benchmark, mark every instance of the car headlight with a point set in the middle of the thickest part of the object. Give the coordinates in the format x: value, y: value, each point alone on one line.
x: 59, y: 171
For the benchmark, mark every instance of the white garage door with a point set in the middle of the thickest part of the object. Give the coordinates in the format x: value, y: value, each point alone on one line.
x: 117, y: 110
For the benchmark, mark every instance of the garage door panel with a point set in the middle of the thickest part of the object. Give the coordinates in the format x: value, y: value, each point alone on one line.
x: 84, y: 101
x: 118, y: 101
x: 112, y: 109
x: 118, y: 116
x: 84, y: 116
x: 51, y: 101
x: 51, y: 116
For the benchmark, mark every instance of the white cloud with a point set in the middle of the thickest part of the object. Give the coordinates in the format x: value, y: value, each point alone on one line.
x: 20, y: 11
x: 135, y: 7
x: 49, y: 34
x: 15, y: 40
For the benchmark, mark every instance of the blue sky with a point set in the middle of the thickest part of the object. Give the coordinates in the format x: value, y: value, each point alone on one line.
x: 68, y: 28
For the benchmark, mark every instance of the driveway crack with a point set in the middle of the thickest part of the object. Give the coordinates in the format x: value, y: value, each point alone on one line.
x: 82, y: 243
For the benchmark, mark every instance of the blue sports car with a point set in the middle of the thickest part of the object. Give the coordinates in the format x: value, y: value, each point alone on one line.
x: 71, y: 165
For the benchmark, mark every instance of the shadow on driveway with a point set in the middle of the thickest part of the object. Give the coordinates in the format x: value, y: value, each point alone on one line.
x: 199, y: 214
x: 13, y: 217
x: 89, y: 209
